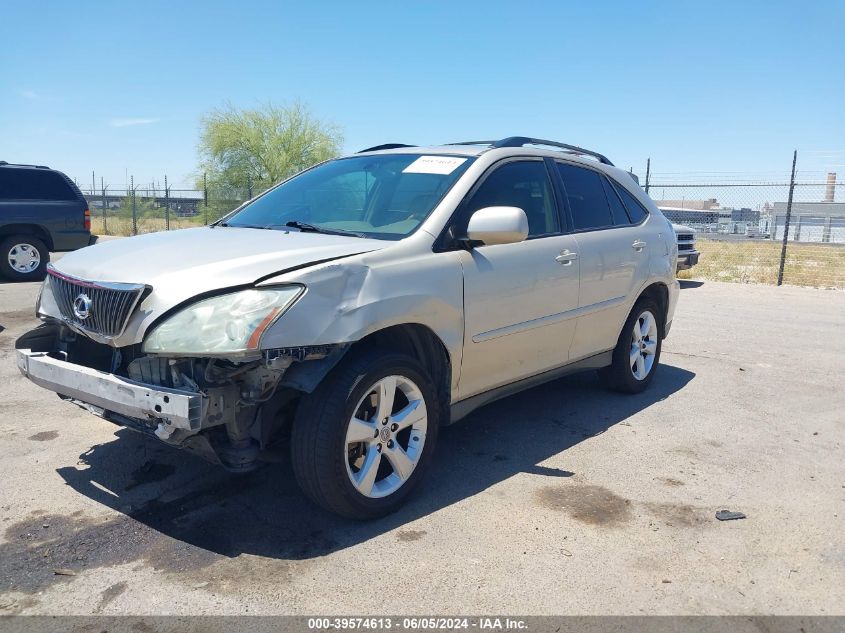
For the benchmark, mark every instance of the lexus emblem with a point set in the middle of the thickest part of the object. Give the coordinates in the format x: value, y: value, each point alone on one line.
x: 82, y: 306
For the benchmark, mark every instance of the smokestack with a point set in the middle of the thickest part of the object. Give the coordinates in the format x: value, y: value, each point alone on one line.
x: 829, y: 191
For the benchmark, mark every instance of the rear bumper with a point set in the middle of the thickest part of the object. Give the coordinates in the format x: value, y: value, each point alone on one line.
x: 71, y: 240
x: 176, y: 408
x: 687, y: 260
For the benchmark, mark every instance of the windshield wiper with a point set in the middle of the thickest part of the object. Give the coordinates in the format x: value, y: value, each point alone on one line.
x: 313, y: 228
x: 243, y: 226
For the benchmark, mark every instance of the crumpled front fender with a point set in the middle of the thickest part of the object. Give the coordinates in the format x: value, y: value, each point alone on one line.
x: 346, y: 301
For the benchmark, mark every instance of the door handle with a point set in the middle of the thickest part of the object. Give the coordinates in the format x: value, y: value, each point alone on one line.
x: 566, y: 258
x: 638, y: 245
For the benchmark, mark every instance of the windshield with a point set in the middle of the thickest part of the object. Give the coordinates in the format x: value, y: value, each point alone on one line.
x: 384, y: 196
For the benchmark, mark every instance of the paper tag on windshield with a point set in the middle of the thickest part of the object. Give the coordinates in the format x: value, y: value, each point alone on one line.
x: 434, y: 165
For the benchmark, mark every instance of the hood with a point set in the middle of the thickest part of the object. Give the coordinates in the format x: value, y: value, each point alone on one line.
x: 184, y: 263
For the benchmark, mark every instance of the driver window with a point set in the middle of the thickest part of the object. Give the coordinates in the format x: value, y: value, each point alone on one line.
x: 523, y: 184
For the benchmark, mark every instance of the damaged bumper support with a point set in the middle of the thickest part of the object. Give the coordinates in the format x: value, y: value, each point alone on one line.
x: 227, y: 413
x: 172, y: 408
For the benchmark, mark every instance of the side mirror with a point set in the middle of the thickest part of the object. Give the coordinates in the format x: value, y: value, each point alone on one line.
x: 498, y: 225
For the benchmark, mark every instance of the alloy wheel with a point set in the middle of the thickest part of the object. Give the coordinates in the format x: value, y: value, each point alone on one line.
x: 385, y: 436
x: 643, y: 345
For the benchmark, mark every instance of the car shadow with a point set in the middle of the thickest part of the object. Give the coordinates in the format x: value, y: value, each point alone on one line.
x: 264, y: 513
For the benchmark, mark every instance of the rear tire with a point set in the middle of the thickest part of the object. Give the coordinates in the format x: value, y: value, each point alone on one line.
x: 23, y: 258
x: 637, y: 352
x: 345, y: 457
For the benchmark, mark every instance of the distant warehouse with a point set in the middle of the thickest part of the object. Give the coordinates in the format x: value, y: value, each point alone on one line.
x: 811, y: 221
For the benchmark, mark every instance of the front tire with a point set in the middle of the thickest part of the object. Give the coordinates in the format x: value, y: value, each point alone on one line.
x: 23, y: 258
x: 637, y: 352
x: 363, y: 438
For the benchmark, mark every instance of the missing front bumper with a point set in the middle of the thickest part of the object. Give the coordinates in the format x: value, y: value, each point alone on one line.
x: 176, y: 408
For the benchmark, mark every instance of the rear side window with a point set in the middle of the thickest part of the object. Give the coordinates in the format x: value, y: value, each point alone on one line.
x: 33, y: 184
x: 635, y: 210
x: 587, y: 200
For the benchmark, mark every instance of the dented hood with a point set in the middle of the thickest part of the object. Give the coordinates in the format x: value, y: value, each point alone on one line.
x: 179, y: 265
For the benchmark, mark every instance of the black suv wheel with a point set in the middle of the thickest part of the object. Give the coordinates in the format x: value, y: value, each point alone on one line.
x: 23, y: 258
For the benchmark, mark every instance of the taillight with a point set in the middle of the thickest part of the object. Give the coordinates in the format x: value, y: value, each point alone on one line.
x: 86, y: 217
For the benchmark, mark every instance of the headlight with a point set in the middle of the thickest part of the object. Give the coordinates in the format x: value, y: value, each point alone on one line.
x: 226, y: 324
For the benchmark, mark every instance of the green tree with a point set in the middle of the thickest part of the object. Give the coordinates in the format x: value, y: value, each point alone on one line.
x: 243, y: 149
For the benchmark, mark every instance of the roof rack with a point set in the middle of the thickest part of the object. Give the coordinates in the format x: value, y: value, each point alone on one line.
x: 376, y: 148
x: 4, y: 162
x: 520, y: 141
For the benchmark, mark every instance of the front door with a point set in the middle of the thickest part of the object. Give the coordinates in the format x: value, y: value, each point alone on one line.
x: 518, y: 298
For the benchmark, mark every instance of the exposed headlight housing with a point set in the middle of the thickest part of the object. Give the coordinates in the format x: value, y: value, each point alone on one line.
x: 230, y: 324
x: 38, y: 298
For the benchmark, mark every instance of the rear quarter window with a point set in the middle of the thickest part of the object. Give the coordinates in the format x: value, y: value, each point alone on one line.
x: 635, y: 210
x: 34, y: 184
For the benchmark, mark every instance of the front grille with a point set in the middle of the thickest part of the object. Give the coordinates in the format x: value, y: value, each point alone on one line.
x: 685, y: 236
x: 686, y: 247
x: 97, y: 307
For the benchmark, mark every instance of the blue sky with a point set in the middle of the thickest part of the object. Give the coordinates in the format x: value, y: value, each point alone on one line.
x: 712, y: 87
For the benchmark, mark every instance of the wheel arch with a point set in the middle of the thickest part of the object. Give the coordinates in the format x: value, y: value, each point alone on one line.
x: 659, y: 293
x: 412, y: 339
x: 419, y: 342
x: 35, y: 230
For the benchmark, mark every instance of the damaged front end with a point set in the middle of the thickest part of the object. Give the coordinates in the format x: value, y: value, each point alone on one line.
x: 232, y: 412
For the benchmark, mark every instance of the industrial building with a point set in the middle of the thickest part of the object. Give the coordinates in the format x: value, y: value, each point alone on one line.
x: 822, y: 221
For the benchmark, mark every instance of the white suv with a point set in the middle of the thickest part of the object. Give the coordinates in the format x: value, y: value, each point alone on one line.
x: 355, y: 308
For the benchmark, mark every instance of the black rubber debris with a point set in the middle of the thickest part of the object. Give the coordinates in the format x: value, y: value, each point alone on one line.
x: 727, y: 515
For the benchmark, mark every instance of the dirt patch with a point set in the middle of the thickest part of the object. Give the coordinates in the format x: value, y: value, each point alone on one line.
x: 32, y: 551
x: 7, y: 319
x: 13, y: 324
x: 44, y: 436
x: 678, y: 514
x: 110, y: 594
x: 12, y: 606
x: 408, y: 536
x: 669, y: 481
x: 594, y: 505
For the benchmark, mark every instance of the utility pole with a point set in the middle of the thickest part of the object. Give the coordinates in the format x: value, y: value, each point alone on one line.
x: 105, y: 206
x: 786, y: 221
x: 166, y: 205
x: 647, y: 174
x: 134, y: 209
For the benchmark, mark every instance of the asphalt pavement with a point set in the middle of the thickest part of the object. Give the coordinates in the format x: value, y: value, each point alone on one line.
x: 565, y: 499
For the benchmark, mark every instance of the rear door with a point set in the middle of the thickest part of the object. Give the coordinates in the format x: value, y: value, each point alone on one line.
x: 44, y: 198
x: 518, y: 298
x: 614, y: 257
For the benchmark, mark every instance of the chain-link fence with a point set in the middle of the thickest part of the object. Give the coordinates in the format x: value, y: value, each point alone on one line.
x: 132, y: 210
x: 739, y: 225
x: 740, y: 229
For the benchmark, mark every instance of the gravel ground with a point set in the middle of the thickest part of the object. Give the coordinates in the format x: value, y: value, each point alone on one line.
x: 565, y: 499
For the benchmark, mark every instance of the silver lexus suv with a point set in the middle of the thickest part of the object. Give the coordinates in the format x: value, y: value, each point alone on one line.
x: 352, y: 310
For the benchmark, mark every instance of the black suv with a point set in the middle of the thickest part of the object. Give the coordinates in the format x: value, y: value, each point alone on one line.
x: 41, y: 210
